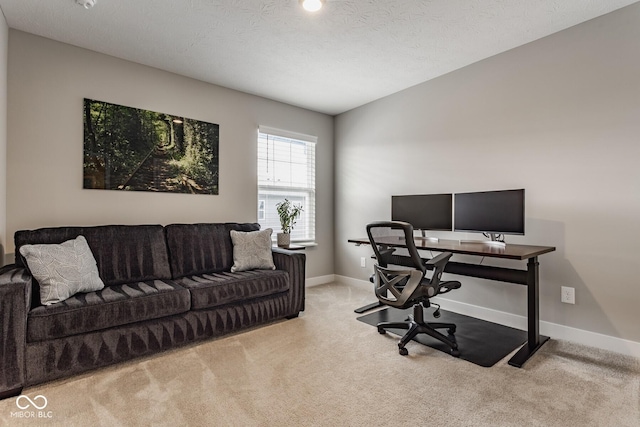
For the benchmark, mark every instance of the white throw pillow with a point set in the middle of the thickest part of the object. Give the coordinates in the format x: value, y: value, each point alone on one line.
x: 63, y: 270
x: 252, y: 250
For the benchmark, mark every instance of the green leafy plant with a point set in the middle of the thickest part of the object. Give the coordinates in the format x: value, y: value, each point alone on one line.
x: 288, y: 213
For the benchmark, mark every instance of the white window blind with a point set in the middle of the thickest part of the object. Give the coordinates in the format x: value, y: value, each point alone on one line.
x: 287, y: 169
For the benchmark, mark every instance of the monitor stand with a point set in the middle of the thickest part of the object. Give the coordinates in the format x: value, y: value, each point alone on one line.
x: 494, y: 242
x: 423, y: 233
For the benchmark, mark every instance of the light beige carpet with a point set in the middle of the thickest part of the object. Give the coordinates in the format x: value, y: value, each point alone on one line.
x: 325, y: 368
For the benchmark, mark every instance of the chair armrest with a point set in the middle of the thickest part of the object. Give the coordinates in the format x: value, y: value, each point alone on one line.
x: 293, y: 262
x: 15, y: 301
x: 438, y: 263
x: 440, y: 260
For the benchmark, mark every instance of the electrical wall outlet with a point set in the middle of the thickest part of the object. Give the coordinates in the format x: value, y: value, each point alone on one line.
x: 363, y: 262
x: 567, y: 295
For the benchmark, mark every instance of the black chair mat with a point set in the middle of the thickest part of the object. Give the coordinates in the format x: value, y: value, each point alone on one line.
x: 479, y: 341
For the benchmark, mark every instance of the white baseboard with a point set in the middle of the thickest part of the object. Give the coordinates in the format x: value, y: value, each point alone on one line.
x: 553, y: 330
x: 319, y: 280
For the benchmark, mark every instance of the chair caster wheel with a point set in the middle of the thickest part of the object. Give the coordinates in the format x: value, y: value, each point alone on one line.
x: 381, y: 331
x: 455, y: 352
x: 403, y: 351
x: 451, y: 331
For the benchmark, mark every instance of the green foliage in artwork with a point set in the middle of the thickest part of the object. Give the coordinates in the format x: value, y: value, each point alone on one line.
x: 132, y: 149
x: 200, y: 156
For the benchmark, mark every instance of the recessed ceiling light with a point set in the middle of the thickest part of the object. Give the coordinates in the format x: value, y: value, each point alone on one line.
x: 312, y: 5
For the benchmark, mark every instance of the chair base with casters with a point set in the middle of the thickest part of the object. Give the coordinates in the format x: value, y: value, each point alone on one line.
x: 417, y: 325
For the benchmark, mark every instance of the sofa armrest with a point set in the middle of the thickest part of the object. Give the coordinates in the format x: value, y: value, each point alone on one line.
x: 292, y: 262
x: 15, y: 300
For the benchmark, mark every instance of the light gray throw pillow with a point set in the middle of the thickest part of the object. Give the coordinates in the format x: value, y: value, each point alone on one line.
x: 252, y: 250
x: 63, y: 270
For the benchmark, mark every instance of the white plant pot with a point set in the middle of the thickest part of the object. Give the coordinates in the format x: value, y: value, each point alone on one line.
x: 284, y: 239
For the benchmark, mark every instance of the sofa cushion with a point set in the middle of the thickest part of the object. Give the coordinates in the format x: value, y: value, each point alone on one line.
x: 202, y: 248
x: 123, y: 253
x: 112, y: 306
x: 62, y: 270
x: 252, y: 250
x: 212, y: 290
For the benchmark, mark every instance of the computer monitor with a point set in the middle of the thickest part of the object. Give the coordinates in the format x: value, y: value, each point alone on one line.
x: 490, y: 212
x: 424, y: 211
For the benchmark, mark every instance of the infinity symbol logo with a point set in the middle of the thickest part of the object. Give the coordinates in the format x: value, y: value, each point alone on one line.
x: 31, y: 402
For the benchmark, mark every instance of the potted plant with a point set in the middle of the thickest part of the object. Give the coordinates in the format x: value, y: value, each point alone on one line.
x: 288, y: 213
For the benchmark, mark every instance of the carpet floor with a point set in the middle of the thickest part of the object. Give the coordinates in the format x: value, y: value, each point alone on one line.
x: 326, y: 368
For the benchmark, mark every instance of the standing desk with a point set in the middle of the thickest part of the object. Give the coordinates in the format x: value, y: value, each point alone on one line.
x: 529, y: 277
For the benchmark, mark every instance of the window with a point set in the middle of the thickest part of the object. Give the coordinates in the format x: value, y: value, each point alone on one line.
x: 287, y: 169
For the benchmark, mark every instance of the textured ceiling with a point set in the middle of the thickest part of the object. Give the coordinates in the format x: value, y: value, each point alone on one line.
x: 350, y: 53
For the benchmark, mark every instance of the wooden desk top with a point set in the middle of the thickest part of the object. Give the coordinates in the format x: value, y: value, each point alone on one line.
x: 510, y: 251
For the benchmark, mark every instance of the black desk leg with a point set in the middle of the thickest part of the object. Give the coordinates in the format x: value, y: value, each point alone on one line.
x: 368, y: 307
x: 534, y: 339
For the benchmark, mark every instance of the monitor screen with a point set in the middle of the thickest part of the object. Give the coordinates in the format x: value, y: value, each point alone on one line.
x: 424, y: 211
x: 500, y: 212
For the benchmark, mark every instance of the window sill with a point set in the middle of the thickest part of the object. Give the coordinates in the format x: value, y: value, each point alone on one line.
x: 299, y: 246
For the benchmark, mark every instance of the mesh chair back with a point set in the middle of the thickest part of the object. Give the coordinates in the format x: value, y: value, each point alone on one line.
x: 399, y: 286
x: 385, y: 236
x: 394, y: 286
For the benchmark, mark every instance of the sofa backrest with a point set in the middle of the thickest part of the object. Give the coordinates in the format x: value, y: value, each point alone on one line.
x: 124, y: 253
x: 202, y: 248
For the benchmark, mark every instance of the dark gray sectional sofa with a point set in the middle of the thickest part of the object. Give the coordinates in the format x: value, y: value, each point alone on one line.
x: 164, y: 287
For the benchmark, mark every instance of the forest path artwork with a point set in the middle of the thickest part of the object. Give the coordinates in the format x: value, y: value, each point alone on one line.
x: 156, y: 173
x: 140, y: 150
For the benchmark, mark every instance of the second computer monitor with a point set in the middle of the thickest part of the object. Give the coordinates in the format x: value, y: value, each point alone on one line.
x: 493, y: 212
x: 424, y: 211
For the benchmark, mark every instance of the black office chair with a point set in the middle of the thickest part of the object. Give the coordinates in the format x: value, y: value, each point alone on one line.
x: 403, y: 288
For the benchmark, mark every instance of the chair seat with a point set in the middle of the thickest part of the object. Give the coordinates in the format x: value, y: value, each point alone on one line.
x: 112, y: 306
x: 212, y: 290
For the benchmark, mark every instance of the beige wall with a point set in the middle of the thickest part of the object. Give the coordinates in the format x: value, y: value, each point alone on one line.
x: 4, y: 48
x: 559, y: 117
x: 47, y: 83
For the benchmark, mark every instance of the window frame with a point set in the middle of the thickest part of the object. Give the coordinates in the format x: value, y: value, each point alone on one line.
x: 294, y: 192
